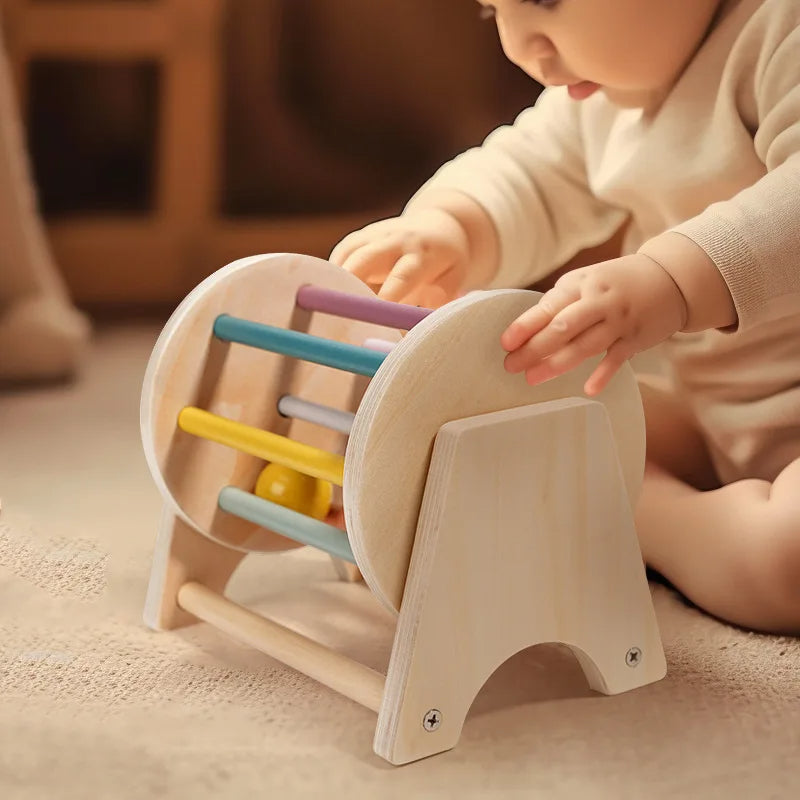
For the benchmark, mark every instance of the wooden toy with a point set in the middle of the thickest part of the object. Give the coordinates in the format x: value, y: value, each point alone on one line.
x: 488, y: 514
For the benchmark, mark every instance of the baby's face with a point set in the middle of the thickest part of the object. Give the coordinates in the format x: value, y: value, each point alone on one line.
x: 633, y: 50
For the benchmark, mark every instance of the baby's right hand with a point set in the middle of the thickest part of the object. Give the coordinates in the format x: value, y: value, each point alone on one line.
x: 420, y: 257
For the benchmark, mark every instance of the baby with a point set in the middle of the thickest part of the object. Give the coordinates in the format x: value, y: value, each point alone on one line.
x: 678, y: 120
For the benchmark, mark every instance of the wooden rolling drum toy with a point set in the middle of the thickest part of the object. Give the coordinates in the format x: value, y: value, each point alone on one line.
x: 490, y: 515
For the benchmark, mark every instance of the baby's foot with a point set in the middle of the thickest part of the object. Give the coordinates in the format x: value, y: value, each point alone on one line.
x: 41, y: 338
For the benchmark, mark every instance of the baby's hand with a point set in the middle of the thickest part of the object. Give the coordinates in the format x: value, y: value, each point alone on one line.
x: 621, y: 307
x: 420, y: 257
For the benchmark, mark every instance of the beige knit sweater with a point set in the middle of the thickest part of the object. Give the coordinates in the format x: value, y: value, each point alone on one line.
x: 718, y: 161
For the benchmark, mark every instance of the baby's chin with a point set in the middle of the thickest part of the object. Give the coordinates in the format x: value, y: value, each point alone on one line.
x: 646, y: 99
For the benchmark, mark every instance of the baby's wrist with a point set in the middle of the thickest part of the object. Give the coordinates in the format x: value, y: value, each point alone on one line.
x: 678, y: 292
x: 708, y: 300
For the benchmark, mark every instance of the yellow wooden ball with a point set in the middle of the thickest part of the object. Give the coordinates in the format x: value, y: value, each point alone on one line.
x: 292, y: 489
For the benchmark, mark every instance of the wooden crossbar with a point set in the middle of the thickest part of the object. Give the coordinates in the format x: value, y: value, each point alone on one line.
x: 342, y: 674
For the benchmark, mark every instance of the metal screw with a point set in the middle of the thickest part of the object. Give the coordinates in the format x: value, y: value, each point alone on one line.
x: 432, y: 719
x: 633, y: 657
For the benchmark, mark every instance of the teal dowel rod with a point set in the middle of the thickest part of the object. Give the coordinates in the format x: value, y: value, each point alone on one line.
x: 346, y: 357
x: 299, y: 527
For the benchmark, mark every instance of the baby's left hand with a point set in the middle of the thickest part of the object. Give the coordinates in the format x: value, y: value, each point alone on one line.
x: 622, y: 307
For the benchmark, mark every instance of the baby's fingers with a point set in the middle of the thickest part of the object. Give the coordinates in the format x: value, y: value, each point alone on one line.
x: 406, y: 276
x: 446, y: 287
x: 534, y: 319
x: 347, y: 246
x: 590, y: 343
x: 616, y: 356
x: 565, y: 327
x: 372, y: 262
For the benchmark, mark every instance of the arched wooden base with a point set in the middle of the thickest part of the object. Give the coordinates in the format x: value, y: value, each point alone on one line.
x: 525, y: 536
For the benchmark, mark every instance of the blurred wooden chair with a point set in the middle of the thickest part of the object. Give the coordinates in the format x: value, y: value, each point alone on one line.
x: 159, y: 256
x: 42, y: 336
x: 443, y: 100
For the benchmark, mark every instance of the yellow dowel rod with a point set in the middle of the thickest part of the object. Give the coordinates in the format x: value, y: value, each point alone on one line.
x: 269, y: 446
x: 344, y: 675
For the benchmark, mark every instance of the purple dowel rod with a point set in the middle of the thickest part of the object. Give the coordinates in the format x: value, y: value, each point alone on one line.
x: 366, y: 309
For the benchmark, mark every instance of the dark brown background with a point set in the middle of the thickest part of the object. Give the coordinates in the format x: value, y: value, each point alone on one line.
x: 321, y: 115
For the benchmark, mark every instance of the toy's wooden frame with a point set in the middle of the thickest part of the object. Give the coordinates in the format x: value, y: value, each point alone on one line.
x: 549, y: 554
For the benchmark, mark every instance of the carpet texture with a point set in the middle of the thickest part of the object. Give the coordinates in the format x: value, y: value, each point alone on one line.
x: 94, y: 705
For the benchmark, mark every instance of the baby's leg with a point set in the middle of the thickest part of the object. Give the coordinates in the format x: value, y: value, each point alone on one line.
x: 734, y: 551
x: 674, y: 441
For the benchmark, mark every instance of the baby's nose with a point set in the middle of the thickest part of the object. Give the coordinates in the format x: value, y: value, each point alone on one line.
x: 539, y: 47
x: 531, y: 51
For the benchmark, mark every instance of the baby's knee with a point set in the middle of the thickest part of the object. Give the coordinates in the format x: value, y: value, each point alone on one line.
x: 784, y: 550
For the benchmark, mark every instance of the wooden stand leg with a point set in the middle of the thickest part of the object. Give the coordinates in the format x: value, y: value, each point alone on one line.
x: 525, y: 536
x: 183, y: 554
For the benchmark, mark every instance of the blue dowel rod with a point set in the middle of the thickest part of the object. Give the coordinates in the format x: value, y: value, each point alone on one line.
x: 348, y: 357
x: 291, y: 524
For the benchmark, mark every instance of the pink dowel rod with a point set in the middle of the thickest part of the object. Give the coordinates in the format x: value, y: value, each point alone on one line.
x: 379, y: 345
x: 366, y: 309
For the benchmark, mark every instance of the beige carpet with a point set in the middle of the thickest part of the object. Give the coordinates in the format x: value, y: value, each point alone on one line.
x: 93, y: 705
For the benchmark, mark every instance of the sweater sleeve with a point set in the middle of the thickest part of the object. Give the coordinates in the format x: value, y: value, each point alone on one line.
x: 754, y: 237
x: 530, y: 178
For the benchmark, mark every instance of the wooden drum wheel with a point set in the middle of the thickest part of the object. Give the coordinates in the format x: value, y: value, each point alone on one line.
x: 448, y: 367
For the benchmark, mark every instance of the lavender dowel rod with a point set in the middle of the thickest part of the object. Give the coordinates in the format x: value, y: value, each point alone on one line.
x: 366, y: 309
x: 379, y: 345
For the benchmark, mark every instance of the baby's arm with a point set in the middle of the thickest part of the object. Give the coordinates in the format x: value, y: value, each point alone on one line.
x: 503, y: 214
x: 733, y: 266
x: 618, y: 307
x: 530, y: 178
x: 445, y: 245
x: 752, y: 240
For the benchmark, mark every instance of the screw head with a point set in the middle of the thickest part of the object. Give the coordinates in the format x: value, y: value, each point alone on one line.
x: 633, y: 657
x: 432, y: 719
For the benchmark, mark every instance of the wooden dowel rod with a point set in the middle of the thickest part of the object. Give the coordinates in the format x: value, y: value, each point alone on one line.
x: 340, y: 673
x: 263, y: 444
x: 380, y: 345
x: 368, y: 309
x: 333, y: 418
x: 297, y: 344
x: 286, y: 521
